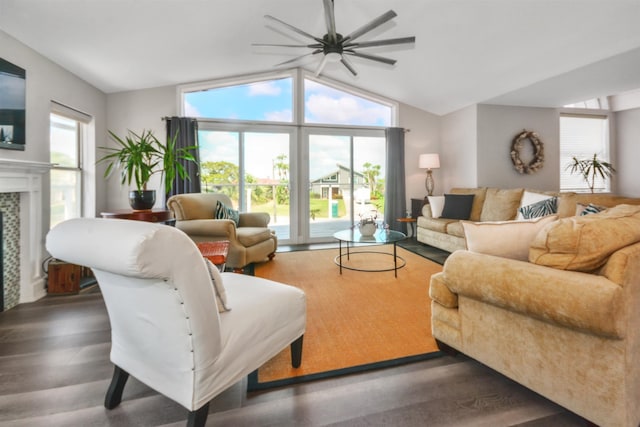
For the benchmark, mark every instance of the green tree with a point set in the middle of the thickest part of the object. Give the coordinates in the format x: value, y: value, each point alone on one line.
x: 222, y: 177
x: 281, y: 170
x: 371, y: 174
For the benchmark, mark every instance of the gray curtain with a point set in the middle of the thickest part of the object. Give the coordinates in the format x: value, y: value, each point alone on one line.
x: 187, y: 129
x: 395, y: 202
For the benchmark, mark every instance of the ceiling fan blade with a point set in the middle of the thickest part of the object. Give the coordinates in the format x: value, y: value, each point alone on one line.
x: 385, y: 42
x: 371, y: 25
x: 312, y: 46
x: 330, y: 20
x: 348, y: 65
x: 292, y: 28
x: 371, y: 57
x: 325, y: 58
x: 297, y: 58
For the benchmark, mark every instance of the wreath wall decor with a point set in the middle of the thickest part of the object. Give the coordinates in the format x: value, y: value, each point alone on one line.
x: 538, y: 152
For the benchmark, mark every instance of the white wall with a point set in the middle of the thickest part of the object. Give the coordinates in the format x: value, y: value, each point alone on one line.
x: 627, y: 177
x: 46, y: 81
x: 422, y: 137
x: 497, y: 127
x: 136, y: 111
x: 458, y: 147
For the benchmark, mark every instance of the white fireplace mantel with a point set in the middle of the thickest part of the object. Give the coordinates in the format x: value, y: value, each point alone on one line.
x: 25, y: 177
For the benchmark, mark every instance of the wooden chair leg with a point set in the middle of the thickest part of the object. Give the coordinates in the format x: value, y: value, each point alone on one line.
x: 114, y: 393
x: 198, y: 418
x: 296, y: 352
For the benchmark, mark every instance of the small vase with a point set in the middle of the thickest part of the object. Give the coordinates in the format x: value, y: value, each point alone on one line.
x: 367, y: 229
x: 142, y: 200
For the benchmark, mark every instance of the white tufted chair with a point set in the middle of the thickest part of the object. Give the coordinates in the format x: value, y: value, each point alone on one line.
x: 165, y: 327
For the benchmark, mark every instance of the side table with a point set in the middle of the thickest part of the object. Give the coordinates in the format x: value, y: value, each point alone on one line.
x: 411, y: 225
x: 153, y: 215
x: 216, y: 252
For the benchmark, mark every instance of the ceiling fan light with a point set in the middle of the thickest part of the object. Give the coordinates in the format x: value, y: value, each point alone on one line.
x: 333, y: 57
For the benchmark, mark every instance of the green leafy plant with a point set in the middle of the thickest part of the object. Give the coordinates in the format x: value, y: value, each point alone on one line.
x: 140, y: 156
x: 591, y: 168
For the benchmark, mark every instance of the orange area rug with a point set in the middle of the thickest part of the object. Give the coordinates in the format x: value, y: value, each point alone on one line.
x: 355, y: 321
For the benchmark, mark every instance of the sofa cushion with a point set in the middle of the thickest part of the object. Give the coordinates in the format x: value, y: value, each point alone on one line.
x: 457, y: 206
x: 539, y: 209
x: 507, y: 239
x: 501, y: 204
x: 250, y: 236
x: 583, y: 243
x: 436, y: 204
x: 455, y: 229
x: 586, y: 302
x: 435, y: 224
x: 478, y: 200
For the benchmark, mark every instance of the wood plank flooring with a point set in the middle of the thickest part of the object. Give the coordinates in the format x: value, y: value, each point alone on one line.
x: 55, y: 369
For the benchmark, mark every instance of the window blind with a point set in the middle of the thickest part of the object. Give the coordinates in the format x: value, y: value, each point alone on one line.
x: 582, y: 136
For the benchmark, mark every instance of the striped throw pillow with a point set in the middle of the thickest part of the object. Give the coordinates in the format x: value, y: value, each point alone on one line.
x: 539, y: 209
x: 225, y: 212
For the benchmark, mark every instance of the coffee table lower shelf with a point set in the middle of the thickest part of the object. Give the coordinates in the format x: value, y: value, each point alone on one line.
x: 380, y: 237
x: 338, y: 261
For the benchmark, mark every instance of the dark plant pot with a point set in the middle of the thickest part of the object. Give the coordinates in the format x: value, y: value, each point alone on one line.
x: 142, y: 200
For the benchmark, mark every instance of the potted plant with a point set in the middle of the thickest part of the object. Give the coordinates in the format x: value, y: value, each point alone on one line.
x: 138, y: 157
x: 590, y: 169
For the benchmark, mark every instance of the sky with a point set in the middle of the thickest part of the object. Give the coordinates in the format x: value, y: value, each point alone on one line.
x: 272, y: 100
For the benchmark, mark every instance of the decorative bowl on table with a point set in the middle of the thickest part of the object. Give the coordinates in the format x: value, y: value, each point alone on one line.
x: 367, y: 229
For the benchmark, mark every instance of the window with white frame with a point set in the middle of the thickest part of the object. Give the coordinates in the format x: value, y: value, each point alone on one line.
x: 66, y: 135
x: 271, y: 141
x: 582, y: 136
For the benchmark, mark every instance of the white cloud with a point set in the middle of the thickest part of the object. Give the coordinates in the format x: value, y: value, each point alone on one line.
x: 190, y: 110
x: 269, y: 88
x: 279, y: 116
x: 344, y: 110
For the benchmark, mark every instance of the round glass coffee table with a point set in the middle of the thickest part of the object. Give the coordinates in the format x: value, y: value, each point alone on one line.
x: 380, y: 237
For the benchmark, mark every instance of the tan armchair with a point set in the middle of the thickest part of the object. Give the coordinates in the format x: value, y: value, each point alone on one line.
x: 251, y: 241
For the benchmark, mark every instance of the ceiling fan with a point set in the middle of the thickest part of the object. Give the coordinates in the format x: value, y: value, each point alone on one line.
x: 336, y: 47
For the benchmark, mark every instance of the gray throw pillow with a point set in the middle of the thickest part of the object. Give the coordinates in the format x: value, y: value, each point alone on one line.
x: 457, y: 206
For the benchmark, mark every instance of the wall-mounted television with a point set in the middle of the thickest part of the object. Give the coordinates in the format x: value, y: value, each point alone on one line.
x: 12, y: 106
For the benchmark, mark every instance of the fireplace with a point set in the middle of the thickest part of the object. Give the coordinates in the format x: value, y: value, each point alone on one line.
x: 21, y: 203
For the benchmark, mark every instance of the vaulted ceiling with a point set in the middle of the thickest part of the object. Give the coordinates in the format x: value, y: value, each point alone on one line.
x: 514, y: 52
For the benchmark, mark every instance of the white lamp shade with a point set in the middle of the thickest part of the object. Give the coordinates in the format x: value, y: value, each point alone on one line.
x: 429, y: 161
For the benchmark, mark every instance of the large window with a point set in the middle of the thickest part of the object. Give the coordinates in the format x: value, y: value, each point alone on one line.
x: 582, y: 136
x: 275, y: 143
x: 67, y: 130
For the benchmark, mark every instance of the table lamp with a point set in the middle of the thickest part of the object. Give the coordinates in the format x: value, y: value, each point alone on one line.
x: 429, y: 161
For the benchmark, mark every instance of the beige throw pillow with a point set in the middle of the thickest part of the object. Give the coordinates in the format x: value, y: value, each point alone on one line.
x: 584, y: 243
x: 500, y: 204
x: 507, y: 239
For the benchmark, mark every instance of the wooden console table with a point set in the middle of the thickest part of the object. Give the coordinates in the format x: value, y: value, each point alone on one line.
x: 154, y: 215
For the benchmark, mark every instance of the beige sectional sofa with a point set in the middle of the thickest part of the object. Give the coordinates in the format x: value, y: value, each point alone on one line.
x: 497, y: 204
x: 564, y: 323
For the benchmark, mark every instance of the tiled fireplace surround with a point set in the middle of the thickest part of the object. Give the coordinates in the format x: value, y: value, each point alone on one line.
x: 25, y: 178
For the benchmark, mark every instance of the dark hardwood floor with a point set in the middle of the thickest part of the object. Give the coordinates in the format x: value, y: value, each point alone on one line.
x: 55, y: 369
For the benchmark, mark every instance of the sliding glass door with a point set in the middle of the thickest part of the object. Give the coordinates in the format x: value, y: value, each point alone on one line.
x: 252, y: 168
x: 346, y: 180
